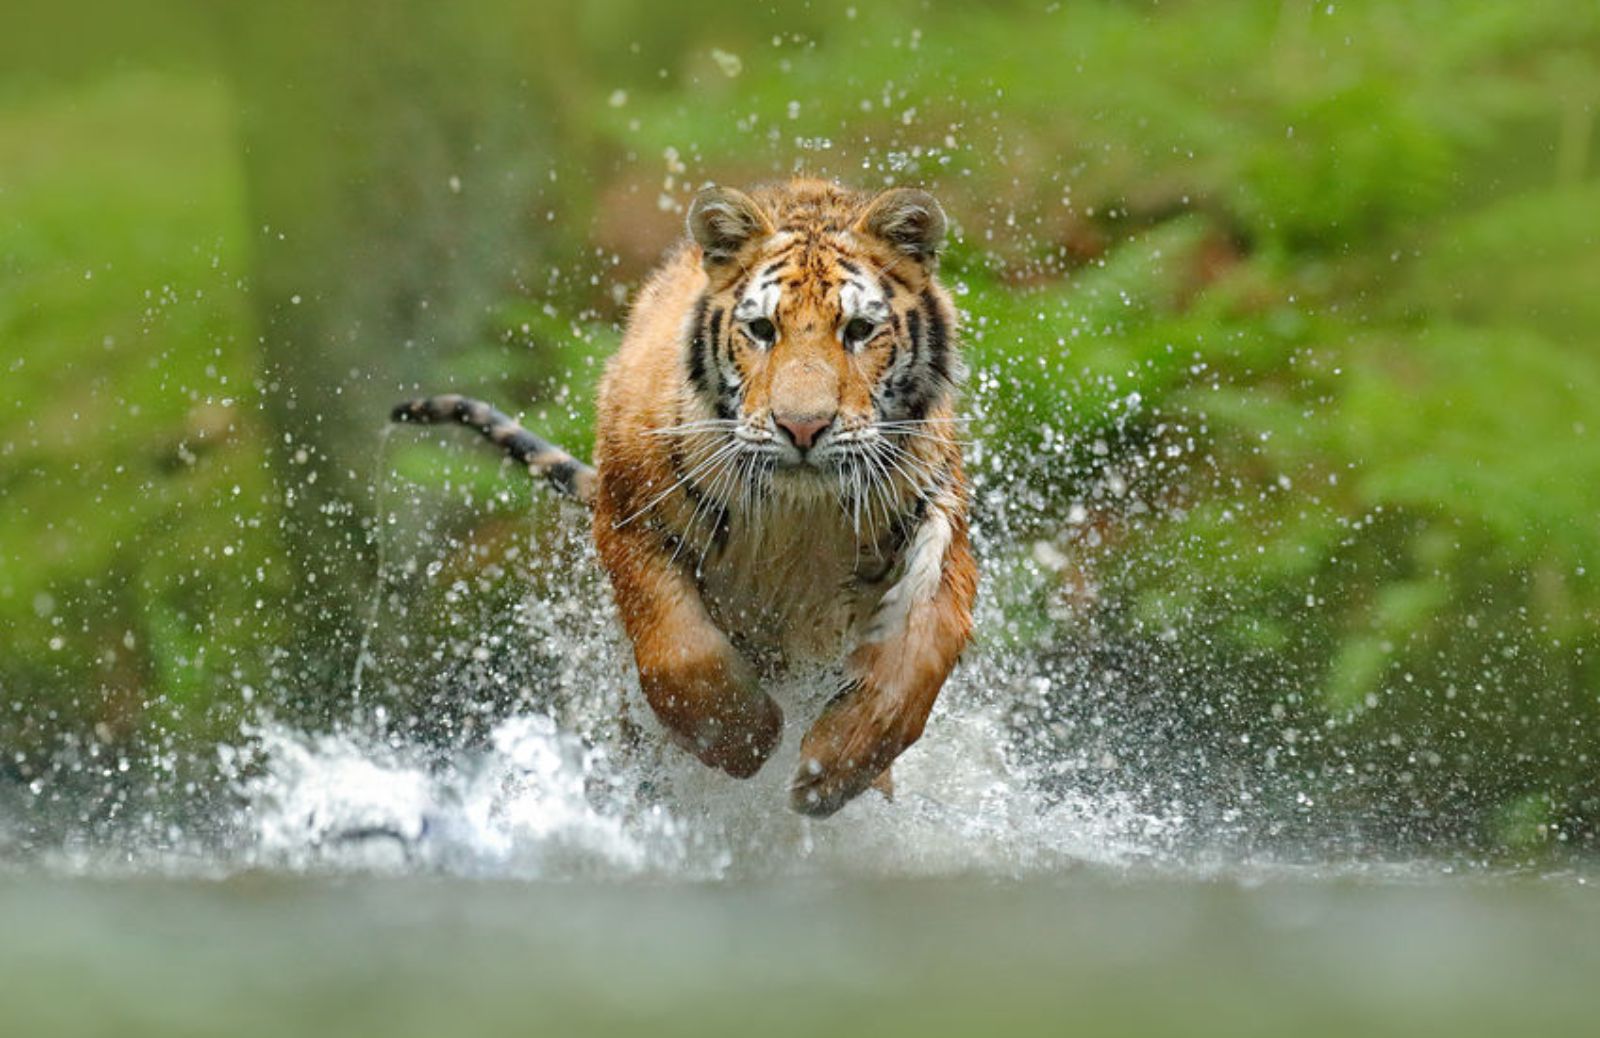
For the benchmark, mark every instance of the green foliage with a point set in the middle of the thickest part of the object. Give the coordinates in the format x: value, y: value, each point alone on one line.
x: 138, y: 539
x: 1282, y: 320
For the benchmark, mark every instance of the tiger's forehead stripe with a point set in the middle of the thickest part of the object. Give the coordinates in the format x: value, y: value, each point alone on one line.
x: 809, y: 269
x: 760, y: 299
x: 860, y: 298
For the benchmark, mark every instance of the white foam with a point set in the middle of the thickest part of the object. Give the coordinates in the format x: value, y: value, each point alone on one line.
x: 533, y: 803
x: 536, y: 803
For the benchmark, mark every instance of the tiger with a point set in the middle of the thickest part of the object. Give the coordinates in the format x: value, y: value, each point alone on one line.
x: 778, y: 479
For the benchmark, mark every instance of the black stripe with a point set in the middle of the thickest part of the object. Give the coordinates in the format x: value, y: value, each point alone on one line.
x: 911, y: 386
x: 715, y: 333
x: 719, y: 347
x: 906, y: 523
x: 894, y: 357
x: 690, y: 491
x: 563, y: 475
x: 784, y: 258
x: 697, y: 361
x: 710, y: 350
x: 914, y: 333
x: 563, y: 471
x: 848, y: 266
x: 695, y: 498
x: 719, y: 389
x: 890, y: 390
x: 938, y: 337
x: 521, y: 444
x: 889, y: 273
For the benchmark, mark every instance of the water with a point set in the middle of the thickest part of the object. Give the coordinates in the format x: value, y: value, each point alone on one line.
x: 536, y: 803
x: 1092, y: 950
x: 1284, y: 667
x: 1060, y: 853
x: 531, y: 885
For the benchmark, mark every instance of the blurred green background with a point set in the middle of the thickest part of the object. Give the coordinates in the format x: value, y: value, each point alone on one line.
x: 1282, y: 318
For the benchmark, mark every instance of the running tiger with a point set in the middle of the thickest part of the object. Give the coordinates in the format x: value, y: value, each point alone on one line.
x: 778, y: 478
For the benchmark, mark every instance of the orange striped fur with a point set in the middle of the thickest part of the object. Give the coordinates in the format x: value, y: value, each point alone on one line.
x: 779, y: 479
x: 800, y: 316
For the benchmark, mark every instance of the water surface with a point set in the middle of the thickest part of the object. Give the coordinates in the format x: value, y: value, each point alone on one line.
x: 1091, y: 951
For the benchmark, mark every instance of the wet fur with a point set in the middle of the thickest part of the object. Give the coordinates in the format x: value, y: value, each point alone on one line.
x: 734, y: 553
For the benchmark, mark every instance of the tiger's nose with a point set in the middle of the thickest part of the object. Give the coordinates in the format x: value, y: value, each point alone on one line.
x: 803, y: 429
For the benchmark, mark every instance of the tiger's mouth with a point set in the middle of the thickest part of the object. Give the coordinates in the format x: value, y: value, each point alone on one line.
x: 798, y: 463
x: 824, y: 458
x: 845, y: 449
x: 781, y: 453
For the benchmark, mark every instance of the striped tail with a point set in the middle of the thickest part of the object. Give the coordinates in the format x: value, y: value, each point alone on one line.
x: 566, y: 473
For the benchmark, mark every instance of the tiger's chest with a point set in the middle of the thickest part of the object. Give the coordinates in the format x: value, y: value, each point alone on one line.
x: 791, y: 587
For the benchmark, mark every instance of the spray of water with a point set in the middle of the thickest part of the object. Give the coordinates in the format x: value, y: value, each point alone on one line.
x: 547, y: 780
x: 494, y: 726
x: 536, y: 802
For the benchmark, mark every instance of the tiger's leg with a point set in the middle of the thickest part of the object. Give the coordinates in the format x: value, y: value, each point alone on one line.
x: 895, y: 674
x: 700, y: 688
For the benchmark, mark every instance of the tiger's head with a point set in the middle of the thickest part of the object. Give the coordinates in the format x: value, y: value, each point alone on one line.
x: 822, y: 336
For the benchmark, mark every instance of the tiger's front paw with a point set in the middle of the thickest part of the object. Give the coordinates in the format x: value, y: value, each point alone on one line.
x: 713, y: 711
x: 854, y: 741
x: 741, y: 738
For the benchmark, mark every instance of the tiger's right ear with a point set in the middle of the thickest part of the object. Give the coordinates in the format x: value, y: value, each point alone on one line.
x: 723, y: 221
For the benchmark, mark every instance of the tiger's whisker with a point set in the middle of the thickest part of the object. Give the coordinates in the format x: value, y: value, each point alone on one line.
x: 700, y: 467
x: 704, y: 425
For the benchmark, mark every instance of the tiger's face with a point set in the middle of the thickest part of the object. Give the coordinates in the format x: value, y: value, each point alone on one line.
x: 821, y: 339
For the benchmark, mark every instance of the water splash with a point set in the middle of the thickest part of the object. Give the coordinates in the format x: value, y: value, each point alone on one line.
x: 380, y: 511
x: 502, y: 752
x: 484, y: 736
x: 536, y: 802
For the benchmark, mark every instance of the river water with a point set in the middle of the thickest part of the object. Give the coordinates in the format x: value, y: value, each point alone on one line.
x: 357, y: 879
x: 530, y: 886
x: 1093, y: 950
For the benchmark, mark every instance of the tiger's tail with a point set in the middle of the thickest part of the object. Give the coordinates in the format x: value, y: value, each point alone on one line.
x: 566, y: 473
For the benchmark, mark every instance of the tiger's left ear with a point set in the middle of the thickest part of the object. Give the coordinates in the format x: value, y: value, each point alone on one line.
x: 910, y: 220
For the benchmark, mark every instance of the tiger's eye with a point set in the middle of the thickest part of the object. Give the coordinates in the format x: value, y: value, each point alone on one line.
x: 763, y: 329
x: 859, y: 330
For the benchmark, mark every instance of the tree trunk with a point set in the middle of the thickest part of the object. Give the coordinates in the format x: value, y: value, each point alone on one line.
x: 388, y: 149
